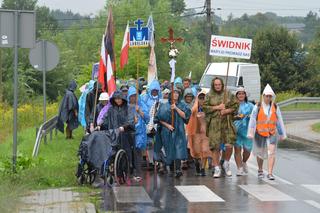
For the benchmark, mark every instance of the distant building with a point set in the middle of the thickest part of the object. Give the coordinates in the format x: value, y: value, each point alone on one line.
x: 294, y: 27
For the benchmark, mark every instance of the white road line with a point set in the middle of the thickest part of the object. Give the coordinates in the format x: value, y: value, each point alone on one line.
x: 266, y: 192
x: 266, y: 172
x: 131, y: 194
x: 199, y: 193
x: 313, y: 203
x: 314, y: 188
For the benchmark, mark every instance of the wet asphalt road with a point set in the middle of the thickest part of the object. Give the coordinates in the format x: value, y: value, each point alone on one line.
x: 292, y: 116
x: 296, y: 189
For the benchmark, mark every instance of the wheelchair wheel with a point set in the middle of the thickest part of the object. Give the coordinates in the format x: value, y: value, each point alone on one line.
x: 121, y: 167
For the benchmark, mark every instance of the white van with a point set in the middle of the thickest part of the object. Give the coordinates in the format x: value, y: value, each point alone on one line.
x: 240, y: 74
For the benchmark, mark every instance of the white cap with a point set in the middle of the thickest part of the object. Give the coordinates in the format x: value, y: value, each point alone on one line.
x: 104, y: 97
x: 166, y: 91
x: 268, y: 91
x: 202, y: 92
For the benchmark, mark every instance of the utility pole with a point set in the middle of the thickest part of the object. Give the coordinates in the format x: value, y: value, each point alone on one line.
x: 1, y: 79
x: 209, y: 30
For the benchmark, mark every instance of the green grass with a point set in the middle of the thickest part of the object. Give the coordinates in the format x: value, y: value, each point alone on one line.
x: 302, y: 107
x: 316, y: 127
x: 55, y: 166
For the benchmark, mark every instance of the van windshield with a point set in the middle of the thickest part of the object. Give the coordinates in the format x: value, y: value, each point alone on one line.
x: 206, y: 80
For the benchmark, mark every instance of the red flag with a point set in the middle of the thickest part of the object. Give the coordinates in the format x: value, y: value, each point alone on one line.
x: 102, y: 66
x: 125, y: 48
x: 110, y: 78
x: 107, y: 51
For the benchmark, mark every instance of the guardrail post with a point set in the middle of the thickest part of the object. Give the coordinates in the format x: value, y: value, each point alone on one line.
x: 45, y: 139
x: 37, y: 129
x: 50, y: 135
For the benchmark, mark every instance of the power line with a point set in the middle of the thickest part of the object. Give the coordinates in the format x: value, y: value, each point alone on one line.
x: 127, y: 15
x: 271, y: 9
x: 82, y: 27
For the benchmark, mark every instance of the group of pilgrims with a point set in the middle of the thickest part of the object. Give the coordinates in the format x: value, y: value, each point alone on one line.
x: 190, y: 128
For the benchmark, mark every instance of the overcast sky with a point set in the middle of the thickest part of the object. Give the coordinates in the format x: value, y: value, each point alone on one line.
x: 236, y: 7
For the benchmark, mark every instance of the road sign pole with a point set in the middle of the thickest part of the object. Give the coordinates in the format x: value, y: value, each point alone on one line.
x: 44, y: 64
x: 15, y: 92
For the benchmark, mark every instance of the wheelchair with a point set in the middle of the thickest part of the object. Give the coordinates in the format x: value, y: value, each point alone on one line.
x: 114, y: 170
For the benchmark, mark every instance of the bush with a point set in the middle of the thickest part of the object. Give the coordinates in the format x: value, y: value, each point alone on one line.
x: 282, y: 96
x: 29, y: 115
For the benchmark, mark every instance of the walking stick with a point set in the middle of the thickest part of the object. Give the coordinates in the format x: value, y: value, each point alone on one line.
x: 95, y: 104
x: 225, y: 97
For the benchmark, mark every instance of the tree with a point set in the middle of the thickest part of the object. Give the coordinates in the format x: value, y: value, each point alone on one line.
x: 275, y: 50
x: 310, y: 84
x: 178, y: 6
x: 312, y: 23
x: 19, y: 4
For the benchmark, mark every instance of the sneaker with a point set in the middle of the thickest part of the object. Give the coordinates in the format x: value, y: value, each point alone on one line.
x: 203, y: 172
x: 137, y: 178
x: 245, y: 168
x: 227, y: 170
x: 217, y: 172
x: 270, y: 177
x: 178, y: 174
x: 240, y: 172
x: 260, y: 174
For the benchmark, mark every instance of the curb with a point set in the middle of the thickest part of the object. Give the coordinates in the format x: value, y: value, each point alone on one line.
x: 303, y: 141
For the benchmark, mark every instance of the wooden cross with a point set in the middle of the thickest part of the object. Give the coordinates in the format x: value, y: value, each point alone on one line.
x: 171, y: 39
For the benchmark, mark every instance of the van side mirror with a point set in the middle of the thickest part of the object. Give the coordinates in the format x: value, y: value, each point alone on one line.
x: 240, y: 82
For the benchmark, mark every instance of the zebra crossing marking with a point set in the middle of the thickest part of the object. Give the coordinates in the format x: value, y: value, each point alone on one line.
x: 266, y: 192
x: 198, y: 193
x: 314, y: 188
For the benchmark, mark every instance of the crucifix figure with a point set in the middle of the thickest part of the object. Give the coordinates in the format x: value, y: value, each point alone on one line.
x: 173, y: 53
x: 171, y: 39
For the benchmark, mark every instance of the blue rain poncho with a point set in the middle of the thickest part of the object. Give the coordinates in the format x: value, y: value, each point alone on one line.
x: 148, y: 99
x: 174, y: 143
x: 245, y: 110
x: 82, y: 104
x: 140, y: 126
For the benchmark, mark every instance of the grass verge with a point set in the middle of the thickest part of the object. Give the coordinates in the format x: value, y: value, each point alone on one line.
x: 55, y: 166
x: 316, y: 127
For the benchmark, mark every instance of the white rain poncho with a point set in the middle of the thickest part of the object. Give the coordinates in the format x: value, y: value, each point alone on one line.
x: 262, y: 146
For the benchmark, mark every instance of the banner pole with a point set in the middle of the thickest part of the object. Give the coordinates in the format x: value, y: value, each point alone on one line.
x: 225, y: 87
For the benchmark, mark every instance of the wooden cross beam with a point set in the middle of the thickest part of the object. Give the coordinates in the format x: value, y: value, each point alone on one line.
x: 171, y: 38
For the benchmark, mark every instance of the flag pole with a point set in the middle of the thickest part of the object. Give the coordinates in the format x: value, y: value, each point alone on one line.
x: 137, y: 81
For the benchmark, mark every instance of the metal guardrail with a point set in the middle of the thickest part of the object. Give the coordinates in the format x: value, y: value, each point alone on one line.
x: 299, y: 100
x: 44, y: 129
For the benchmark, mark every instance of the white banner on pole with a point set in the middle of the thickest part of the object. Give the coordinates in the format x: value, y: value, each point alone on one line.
x: 172, y: 64
x: 231, y: 47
